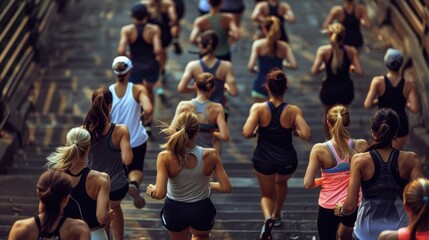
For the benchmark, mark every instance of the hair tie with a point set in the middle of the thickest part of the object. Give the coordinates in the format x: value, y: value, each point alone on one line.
x: 338, y: 115
x: 75, y: 142
x: 426, y: 199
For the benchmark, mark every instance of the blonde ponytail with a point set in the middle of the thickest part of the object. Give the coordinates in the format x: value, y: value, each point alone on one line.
x: 337, y: 34
x: 339, y: 119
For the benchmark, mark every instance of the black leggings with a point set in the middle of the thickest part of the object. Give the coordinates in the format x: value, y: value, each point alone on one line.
x: 327, y: 223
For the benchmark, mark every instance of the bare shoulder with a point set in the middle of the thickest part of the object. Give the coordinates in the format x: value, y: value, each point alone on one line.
x: 99, y: 177
x: 409, y: 155
x: 210, y: 153
x: 293, y: 109
x: 336, y: 9
x: 22, y: 227
x: 351, y: 51
x: 226, y: 64
x: 76, y: 226
x: 121, y: 128
x: 185, y: 106
x: 361, y: 159
x: 360, y: 145
x: 318, y: 148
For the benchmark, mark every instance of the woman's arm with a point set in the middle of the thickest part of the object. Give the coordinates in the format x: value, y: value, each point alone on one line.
x: 372, y: 96
x: 364, y: 19
x: 302, y: 128
x: 183, y: 86
x: 356, y: 65
x: 290, y: 57
x: 333, y: 15
x: 223, y: 184
x: 103, y: 201
x: 253, y: 57
x: 318, y: 62
x: 288, y: 15
x: 196, y: 30
x: 413, y: 103
x: 223, y: 133
x: 313, y: 168
x: 388, y: 235
x: 251, y: 122
x: 123, y: 42
x: 124, y: 144
x: 257, y: 14
x: 230, y: 79
x: 159, y: 190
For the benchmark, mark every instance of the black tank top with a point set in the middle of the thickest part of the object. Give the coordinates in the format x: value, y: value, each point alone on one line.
x: 141, y: 51
x: 274, y: 141
x: 274, y: 11
x: 352, y: 26
x: 55, y: 235
x: 342, y: 74
x: 393, y: 97
x: 81, y: 205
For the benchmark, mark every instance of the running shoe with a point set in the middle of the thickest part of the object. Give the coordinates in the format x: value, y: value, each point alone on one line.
x: 134, y: 192
x: 177, y: 48
x: 266, y: 229
x: 278, y: 222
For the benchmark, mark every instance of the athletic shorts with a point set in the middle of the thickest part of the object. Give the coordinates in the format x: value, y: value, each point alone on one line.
x: 119, y: 194
x: 177, y: 216
x: 139, y: 154
x: 149, y: 77
x: 327, y: 223
x: 270, y: 169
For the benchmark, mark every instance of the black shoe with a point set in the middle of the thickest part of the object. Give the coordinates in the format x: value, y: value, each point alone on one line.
x: 266, y: 229
x: 177, y: 48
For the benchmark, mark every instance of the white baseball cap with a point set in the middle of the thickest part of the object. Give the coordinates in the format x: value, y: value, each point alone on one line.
x: 124, y: 60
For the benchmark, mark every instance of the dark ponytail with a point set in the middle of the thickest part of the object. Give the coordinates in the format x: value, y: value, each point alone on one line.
x: 53, y: 186
x: 99, y: 113
x: 384, y: 126
x: 209, y: 41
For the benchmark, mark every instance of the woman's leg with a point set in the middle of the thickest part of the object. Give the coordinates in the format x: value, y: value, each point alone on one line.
x: 200, y: 235
x: 267, y: 187
x: 280, y: 193
x: 118, y: 220
x: 183, y: 235
x: 344, y: 232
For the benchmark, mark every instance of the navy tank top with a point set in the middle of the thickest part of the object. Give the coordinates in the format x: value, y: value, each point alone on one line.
x: 393, y: 97
x: 352, y: 26
x: 81, y: 205
x: 217, y: 96
x: 142, y: 54
x: 274, y: 141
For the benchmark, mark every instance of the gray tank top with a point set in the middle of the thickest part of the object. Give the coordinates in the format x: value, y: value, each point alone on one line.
x: 205, y: 136
x: 105, y: 157
x: 190, y: 185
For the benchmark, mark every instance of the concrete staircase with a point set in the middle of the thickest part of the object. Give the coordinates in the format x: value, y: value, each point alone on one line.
x: 85, y: 46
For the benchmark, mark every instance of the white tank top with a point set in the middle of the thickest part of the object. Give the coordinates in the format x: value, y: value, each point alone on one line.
x: 126, y: 111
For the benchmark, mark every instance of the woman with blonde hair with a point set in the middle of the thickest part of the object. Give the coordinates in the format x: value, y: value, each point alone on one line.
x: 274, y: 158
x: 89, y: 199
x: 416, y: 203
x: 333, y: 159
x: 269, y: 52
x: 53, y: 191
x: 183, y: 175
x: 337, y: 60
x: 213, y: 126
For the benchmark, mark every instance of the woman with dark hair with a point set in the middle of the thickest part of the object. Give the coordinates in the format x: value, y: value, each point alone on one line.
x: 223, y: 24
x: 183, y: 172
x: 210, y: 114
x: 416, y: 203
x: 90, y: 193
x: 274, y: 158
x: 221, y: 70
x: 337, y: 59
x: 110, y: 151
x: 53, y: 190
x: 382, y: 173
x: 269, y: 52
x: 393, y: 91
x: 333, y: 159
x: 351, y: 15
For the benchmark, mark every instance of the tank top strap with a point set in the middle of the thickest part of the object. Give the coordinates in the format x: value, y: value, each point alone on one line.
x: 203, y: 65
x: 394, y: 168
x: 129, y: 90
x: 197, y: 151
x: 216, y: 66
x: 346, y: 14
x: 387, y: 83
x: 140, y: 29
x: 112, y: 127
x: 60, y: 224
x: 38, y: 223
